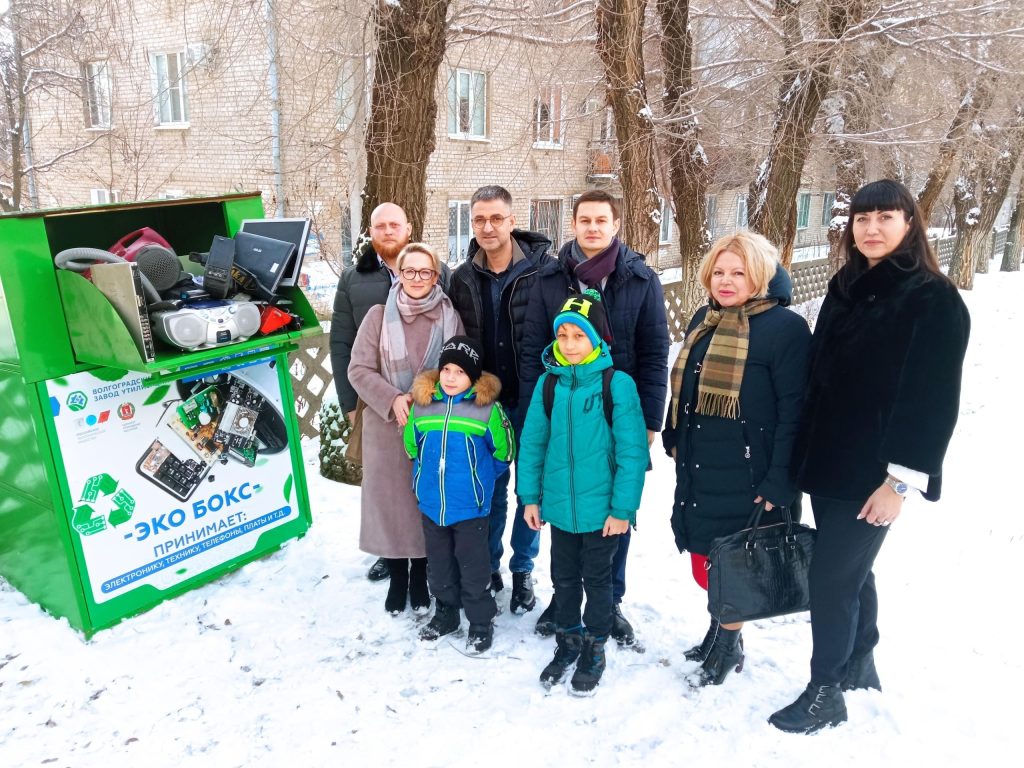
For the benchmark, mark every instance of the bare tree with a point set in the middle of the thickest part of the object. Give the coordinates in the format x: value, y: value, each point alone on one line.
x: 411, y: 41
x: 620, y: 32
x: 1014, y: 238
x: 996, y: 185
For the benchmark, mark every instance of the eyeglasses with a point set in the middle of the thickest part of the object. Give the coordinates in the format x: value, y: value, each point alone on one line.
x: 495, y: 221
x: 423, y: 274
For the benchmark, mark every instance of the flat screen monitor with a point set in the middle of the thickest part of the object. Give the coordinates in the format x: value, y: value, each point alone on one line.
x: 291, y: 231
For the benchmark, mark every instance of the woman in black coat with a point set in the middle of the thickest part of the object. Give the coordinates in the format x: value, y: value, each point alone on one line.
x: 882, y: 401
x: 734, y: 414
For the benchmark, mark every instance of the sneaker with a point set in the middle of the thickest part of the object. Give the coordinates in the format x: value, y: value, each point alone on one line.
x: 819, y: 706
x: 480, y: 638
x: 622, y: 630
x: 523, y: 598
x: 444, y: 622
x: 379, y: 571
x: 567, y: 651
x: 496, y: 583
x: 546, y: 623
x: 590, y: 666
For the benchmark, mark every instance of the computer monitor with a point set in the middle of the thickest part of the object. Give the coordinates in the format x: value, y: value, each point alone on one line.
x: 291, y: 231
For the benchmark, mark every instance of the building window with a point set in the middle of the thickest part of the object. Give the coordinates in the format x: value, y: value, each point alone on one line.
x: 546, y: 218
x: 803, y: 210
x: 169, y: 85
x: 606, y: 128
x: 467, y: 104
x: 172, y: 194
x: 827, y: 201
x: 711, y: 203
x: 98, y: 94
x: 347, y: 94
x: 665, y: 230
x: 547, y: 117
x: 104, y: 196
x: 459, y: 232
x: 741, y: 211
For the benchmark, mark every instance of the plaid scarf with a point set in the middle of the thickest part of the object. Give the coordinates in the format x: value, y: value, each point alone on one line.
x: 400, y: 310
x: 718, y: 391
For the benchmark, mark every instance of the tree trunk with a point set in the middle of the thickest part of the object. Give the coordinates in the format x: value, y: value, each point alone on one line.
x: 689, y: 170
x: 965, y: 206
x: 620, y: 27
x: 997, y: 184
x: 772, y: 196
x: 411, y: 40
x: 12, y: 82
x: 1014, y: 238
x: 974, y: 100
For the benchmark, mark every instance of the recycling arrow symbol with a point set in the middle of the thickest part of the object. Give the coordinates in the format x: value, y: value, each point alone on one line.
x: 85, y: 519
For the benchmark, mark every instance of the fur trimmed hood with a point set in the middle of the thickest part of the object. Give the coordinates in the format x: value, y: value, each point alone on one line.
x: 425, y: 387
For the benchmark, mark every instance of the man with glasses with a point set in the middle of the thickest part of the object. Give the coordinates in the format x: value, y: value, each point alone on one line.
x: 490, y: 291
x: 361, y: 286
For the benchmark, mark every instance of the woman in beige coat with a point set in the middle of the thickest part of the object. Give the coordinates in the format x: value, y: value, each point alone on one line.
x: 395, y: 342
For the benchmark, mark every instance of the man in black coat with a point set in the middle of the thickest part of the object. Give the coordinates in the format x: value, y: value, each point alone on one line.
x: 490, y: 291
x: 635, y: 307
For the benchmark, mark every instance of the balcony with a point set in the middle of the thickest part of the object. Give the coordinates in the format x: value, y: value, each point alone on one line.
x: 602, y: 162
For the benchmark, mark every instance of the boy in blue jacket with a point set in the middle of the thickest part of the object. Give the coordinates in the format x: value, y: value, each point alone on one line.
x: 460, y: 441
x: 588, y: 475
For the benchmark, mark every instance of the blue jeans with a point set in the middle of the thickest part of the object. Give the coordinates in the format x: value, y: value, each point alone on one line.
x: 525, y: 542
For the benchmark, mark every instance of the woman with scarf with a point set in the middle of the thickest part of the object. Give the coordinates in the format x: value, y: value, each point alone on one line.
x: 395, y: 342
x: 882, y: 400
x: 737, y: 388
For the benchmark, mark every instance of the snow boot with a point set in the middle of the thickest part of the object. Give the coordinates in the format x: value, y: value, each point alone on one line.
x: 622, y: 630
x: 546, y: 622
x: 480, y: 638
x: 700, y: 652
x: 496, y: 583
x: 379, y: 570
x: 523, y: 598
x: 861, y: 674
x: 819, y: 706
x: 568, y: 644
x: 590, y: 667
x: 726, y: 654
x: 398, y: 590
x: 419, y: 593
x: 444, y: 622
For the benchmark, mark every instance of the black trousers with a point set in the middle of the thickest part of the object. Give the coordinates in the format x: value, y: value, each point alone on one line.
x: 582, y: 562
x: 459, y: 566
x: 844, y: 603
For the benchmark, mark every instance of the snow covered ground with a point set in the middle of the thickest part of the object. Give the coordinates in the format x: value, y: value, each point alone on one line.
x: 292, y: 660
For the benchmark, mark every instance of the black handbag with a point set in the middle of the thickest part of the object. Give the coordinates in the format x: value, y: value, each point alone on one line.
x: 761, y: 571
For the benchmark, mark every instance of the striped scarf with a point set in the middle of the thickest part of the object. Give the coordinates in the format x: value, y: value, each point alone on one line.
x: 718, y: 392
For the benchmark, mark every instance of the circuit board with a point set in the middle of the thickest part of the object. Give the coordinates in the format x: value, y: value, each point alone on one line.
x: 161, y: 467
x: 236, y: 431
x: 197, y: 420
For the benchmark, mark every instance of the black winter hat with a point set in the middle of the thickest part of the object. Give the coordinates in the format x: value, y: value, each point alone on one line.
x: 465, y: 353
x: 586, y: 311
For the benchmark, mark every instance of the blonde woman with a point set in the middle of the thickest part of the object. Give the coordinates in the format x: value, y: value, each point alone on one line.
x: 737, y: 388
x: 396, y: 341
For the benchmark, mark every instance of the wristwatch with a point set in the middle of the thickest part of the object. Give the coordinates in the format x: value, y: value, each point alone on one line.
x: 899, y: 486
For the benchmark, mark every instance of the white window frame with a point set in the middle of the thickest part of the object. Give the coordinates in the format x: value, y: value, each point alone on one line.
x: 463, y: 231
x: 467, y: 87
x: 828, y: 199
x: 803, y: 210
x: 742, y: 216
x: 536, y: 204
x: 99, y: 92
x: 170, y: 97
x: 347, y: 95
x: 665, y: 227
x: 100, y: 196
x: 547, y: 118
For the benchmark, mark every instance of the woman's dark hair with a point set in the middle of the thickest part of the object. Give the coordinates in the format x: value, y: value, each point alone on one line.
x: 913, y: 254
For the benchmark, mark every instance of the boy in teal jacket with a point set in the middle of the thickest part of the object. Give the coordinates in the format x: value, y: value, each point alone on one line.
x: 588, y: 475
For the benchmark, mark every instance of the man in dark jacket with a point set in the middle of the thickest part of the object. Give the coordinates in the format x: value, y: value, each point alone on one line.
x: 635, y: 306
x: 490, y: 291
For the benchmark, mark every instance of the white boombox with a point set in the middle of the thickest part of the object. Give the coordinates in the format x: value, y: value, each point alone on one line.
x: 206, y: 323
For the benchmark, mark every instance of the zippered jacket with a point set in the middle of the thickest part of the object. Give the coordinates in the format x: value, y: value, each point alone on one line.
x: 459, y: 446
x: 577, y: 468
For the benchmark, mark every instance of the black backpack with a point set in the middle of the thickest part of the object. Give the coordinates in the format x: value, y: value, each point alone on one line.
x: 606, y: 394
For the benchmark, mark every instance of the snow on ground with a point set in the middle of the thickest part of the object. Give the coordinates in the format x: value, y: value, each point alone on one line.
x: 292, y: 660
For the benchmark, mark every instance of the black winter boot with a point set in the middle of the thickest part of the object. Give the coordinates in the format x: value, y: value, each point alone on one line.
x: 444, y: 622
x: 700, y: 652
x: 379, y: 570
x: 819, y: 706
x: 590, y: 667
x: 523, y: 598
x: 480, y: 638
x: 567, y: 651
x: 419, y: 593
x: 861, y: 674
x: 496, y: 583
x: 726, y: 654
x: 622, y: 630
x: 546, y: 623
x: 398, y: 590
